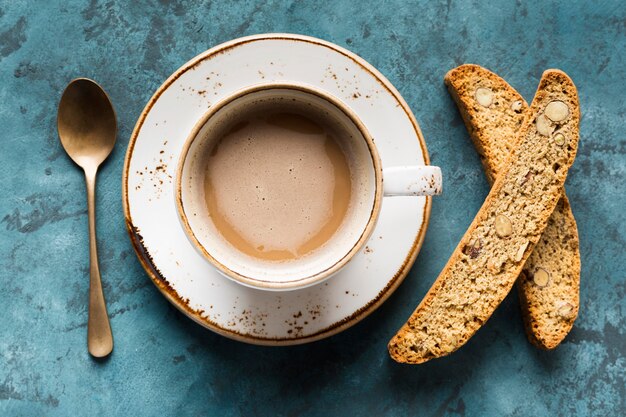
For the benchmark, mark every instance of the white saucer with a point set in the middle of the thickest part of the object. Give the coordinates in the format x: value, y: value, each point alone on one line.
x: 184, y: 277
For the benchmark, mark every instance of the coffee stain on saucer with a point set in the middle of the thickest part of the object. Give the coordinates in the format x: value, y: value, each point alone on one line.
x: 157, y: 175
x: 348, y: 83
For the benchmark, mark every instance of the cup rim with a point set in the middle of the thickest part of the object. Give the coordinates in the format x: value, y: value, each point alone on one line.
x: 315, y: 277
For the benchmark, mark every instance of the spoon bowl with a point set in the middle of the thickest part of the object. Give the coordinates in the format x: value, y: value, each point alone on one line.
x: 86, y: 122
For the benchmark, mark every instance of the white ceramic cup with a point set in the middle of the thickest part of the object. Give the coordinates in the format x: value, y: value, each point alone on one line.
x: 366, y: 196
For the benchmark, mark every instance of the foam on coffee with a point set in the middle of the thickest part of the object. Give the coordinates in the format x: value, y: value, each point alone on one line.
x: 278, y: 184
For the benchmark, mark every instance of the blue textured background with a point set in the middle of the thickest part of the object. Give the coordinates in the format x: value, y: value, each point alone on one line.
x: 163, y: 364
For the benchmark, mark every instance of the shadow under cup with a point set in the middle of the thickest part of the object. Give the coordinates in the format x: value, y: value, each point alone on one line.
x: 363, y: 206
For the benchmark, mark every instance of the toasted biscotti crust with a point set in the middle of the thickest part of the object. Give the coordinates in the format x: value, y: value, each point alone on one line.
x: 548, y: 310
x: 491, y: 254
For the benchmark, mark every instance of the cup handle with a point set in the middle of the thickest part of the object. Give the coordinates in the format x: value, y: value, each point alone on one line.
x: 415, y: 180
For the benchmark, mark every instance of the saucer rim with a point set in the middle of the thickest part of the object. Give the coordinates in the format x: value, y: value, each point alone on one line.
x: 162, y: 283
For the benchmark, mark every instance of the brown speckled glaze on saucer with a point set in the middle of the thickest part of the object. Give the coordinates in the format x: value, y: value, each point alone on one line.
x: 191, y: 283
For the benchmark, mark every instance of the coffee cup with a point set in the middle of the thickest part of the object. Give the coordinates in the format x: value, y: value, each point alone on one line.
x: 279, y: 185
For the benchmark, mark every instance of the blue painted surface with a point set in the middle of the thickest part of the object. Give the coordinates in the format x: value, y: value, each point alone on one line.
x: 163, y: 364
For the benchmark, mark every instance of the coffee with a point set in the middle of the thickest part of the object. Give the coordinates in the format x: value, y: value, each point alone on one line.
x: 278, y: 184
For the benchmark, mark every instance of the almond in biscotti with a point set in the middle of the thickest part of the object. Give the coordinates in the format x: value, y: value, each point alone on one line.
x: 440, y: 317
x: 544, y: 125
x: 484, y: 96
x: 565, y: 310
x: 503, y: 226
x: 541, y: 277
x: 520, y: 252
x: 556, y: 111
x: 559, y: 139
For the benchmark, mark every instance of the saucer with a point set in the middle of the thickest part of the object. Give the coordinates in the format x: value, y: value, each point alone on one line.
x: 193, y: 285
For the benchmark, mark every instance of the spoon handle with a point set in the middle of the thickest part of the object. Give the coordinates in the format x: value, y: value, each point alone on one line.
x: 99, y: 336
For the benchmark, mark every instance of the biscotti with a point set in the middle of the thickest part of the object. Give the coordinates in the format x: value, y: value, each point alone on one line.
x: 491, y: 254
x: 548, y: 286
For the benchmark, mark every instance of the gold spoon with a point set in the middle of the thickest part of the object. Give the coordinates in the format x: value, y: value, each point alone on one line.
x: 87, y: 128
